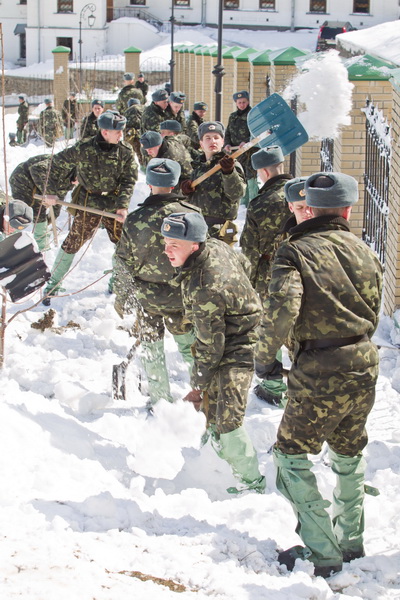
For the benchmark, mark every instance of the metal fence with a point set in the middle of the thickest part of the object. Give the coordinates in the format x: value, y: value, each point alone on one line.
x: 376, y: 179
x: 326, y: 153
x: 100, y: 78
x: 36, y: 88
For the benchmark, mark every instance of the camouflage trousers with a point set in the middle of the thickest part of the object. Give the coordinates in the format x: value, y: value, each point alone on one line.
x: 339, y: 420
x: 85, y: 226
x: 227, y: 398
x: 150, y: 327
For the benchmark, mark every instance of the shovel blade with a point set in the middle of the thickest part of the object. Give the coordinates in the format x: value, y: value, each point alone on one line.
x: 275, y: 114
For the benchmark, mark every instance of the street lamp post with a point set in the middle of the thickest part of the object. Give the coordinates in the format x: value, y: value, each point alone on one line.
x: 88, y: 8
x: 172, y: 62
x: 219, y: 69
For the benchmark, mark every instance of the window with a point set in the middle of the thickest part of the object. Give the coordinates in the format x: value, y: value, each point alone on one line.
x: 64, y: 6
x: 361, y: 6
x: 67, y: 42
x: 182, y: 3
x: 231, y: 4
x: 270, y: 4
x: 22, y: 45
x: 22, y: 2
x: 318, y: 6
x: 138, y: 2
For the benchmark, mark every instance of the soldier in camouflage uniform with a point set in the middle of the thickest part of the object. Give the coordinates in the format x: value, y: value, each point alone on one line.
x: 144, y: 273
x: 236, y: 135
x: 172, y: 128
x: 128, y: 91
x: 19, y: 216
x: 69, y: 115
x: 23, y: 117
x: 134, y: 114
x: 154, y: 114
x: 194, y: 121
x: 224, y: 311
x: 50, y: 123
x: 326, y: 287
x: 24, y: 188
x: 175, y: 109
x: 89, y: 126
x: 107, y: 173
x: 265, y: 217
x: 219, y: 195
x: 170, y: 147
x: 142, y: 85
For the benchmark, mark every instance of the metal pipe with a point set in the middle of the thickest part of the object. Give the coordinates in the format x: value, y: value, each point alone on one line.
x: 219, y: 69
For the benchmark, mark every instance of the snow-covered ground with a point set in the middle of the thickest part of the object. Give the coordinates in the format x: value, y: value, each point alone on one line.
x: 100, y: 502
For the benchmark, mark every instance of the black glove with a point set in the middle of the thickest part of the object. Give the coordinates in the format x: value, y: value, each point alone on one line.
x: 227, y: 165
x: 195, y: 397
x: 186, y: 187
x: 271, y: 371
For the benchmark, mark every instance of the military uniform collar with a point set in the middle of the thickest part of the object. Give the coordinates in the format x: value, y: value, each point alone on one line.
x: 154, y: 199
x: 324, y: 222
x: 215, y: 157
x: 271, y: 182
x: 240, y: 113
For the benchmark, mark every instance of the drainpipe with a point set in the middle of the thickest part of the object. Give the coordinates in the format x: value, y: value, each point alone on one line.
x: 203, y: 13
x: 293, y: 3
x: 38, y: 31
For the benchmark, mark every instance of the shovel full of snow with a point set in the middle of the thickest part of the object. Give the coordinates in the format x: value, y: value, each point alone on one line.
x: 272, y: 123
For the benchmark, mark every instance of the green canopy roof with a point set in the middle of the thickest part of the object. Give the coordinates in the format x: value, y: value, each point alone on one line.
x: 368, y: 68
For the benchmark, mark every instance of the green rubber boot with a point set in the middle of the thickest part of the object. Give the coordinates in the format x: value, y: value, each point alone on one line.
x: 184, y: 342
x: 348, y: 503
x: 251, y: 191
x: 40, y: 233
x: 153, y: 361
x: 298, y: 484
x: 272, y: 391
x: 60, y: 269
x: 237, y: 449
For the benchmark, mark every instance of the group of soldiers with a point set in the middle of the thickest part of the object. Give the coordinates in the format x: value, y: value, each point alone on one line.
x: 302, y: 280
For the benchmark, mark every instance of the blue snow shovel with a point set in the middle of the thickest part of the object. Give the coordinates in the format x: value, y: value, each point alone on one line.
x: 274, y: 115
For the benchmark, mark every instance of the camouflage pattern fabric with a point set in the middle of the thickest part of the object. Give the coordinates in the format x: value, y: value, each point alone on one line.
x: 337, y: 419
x: 237, y: 131
x: 23, y: 186
x: 68, y: 112
x: 107, y: 173
x: 89, y: 126
x: 192, y: 127
x: 132, y: 132
x: 143, y: 86
x: 23, y: 115
x: 180, y: 117
x: 227, y: 398
x: 153, y: 116
x: 50, y: 125
x: 223, y: 308
x: 218, y: 196
x: 265, y: 217
x: 128, y: 92
x: 325, y: 283
x: 173, y: 148
x: 186, y: 141
x: 143, y: 274
x: 84, y: 226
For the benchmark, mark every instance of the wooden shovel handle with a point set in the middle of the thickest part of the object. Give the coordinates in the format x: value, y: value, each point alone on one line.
x: 95, y: 211
x: 239, y: 152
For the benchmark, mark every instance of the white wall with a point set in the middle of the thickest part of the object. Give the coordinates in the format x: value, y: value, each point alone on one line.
x: 125, y: 32
x: 11, y: 14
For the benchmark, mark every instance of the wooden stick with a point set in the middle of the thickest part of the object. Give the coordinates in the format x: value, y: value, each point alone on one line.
x: 53, y: 225
x: 95, y: 211
x: 239, y: 152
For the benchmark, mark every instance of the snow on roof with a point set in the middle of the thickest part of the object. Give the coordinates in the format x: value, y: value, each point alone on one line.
x: 381, y: 40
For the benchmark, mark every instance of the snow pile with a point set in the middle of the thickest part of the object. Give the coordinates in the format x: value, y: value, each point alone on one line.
x: 382, y: 41
x: 323, y: 81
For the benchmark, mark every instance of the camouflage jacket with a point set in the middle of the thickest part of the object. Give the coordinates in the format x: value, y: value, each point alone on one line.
x: 174, y: 149
x: 23, y: 114
x: 222, y: 307
x: 127, y: 92
x: 236, y: 132
x: 180, y: 117
x: 219, y: 195
x: 89, y: 126
x: 192, y: 127
x: 153, y: 116
x: 68, y: 112
x: 325, y: 283
x: 143, y: 87
x: 134, y: 116
x: 107, y: 173
x: 23, y: 186
x: 50, y: 124
x: 265, y: 217
x: 142, y: 267
x: 185, y: 140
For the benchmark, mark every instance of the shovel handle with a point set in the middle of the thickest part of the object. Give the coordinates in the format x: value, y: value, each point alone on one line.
x: 53, y: 225
x: 238, y: 152
x: 95, y: 211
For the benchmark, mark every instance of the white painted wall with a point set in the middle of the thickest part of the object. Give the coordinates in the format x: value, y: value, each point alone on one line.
x: 126, y: 32
x: 11, y: 14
